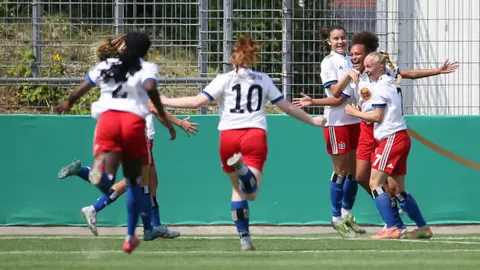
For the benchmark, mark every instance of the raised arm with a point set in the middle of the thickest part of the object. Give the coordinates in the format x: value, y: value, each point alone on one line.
x: 308, y: 101
x: 445, y: 68
x: 330, y: 80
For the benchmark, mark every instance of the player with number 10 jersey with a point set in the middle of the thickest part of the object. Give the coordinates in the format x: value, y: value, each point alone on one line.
x: 243, y: 95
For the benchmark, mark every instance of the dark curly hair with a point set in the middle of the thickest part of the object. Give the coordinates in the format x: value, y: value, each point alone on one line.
x: 367, y: 39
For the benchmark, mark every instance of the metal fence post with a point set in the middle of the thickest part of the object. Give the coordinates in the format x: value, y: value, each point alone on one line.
x: 36, y: 37
x: 406, y: 49
x: 227, y: 33
x: 119, y: 16
x: 202, y: 48
x: 287, y: 48
x: 381, y: 23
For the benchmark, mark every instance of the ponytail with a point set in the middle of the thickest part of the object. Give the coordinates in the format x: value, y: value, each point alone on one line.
x: 392, y: 67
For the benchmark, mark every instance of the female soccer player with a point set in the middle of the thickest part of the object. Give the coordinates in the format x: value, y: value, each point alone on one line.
x: 243, y: 95
x: 126, y: 84
x: 390, y: 132
x: 362, y: 44
x: 112, y: 192
x: 341, y: 131
x: 112, y: 47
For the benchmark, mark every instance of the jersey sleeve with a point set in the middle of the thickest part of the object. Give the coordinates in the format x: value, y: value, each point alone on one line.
x: 93, y: 76
x: 328, y: 74
x: 150, y: 72
x: 348, y: 91
x: 273, y: 94
x: 379, y: 99
x: 215, y: 88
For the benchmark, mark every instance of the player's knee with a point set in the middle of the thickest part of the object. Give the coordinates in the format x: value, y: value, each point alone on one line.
x: 338, y: 178
x: 378, y: 191
x: 401, y: 196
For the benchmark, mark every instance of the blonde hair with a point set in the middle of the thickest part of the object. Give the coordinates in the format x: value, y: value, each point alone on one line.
x: 379, y: 58
x: 110, y: 47
x: 392, y: 67
x: 244, y: 52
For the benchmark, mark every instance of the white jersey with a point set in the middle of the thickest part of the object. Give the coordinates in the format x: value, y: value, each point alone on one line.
x: 333, y: 68
x: 149, y: 127
x: 363, y: 92
x: 243, y: 95
x: 129, y: 96
x: 385, y: 95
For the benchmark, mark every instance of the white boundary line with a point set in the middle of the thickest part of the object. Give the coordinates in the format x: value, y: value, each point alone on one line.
x: 97, y: 252
x: 313, y: 238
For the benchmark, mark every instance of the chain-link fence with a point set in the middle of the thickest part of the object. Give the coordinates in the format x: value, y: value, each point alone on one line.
x: 46, y: 46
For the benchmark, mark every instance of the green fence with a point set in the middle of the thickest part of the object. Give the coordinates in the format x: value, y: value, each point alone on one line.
x: 193, y: 189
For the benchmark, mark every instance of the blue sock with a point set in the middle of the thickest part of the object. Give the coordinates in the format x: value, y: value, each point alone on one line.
x: 155, y: 212
x: 241, y: 215
x: 146, y: 209
x: 83, y: 173
x: 134, y: 194
x: 105, y: 183
x: 396, y: 216
x: 350, y: 188
x: 336, y: 194
x: 410, y: 206
x: 384, y: 206
x: 248, y: 182
x: 105, y: 200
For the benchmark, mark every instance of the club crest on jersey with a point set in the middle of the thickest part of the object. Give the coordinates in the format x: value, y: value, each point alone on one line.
x: 366, y: 94
x: 341, y: 145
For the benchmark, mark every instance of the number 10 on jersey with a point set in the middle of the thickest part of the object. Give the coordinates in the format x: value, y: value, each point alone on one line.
x: 238, y: 89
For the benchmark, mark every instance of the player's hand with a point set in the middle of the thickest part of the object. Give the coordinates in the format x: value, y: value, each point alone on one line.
x: 351, y: 110
x: 173, y: 133
x: 302, y: 102
x: 189, y: 127
x: 319, y: 121
x: 447, y: 67
x: 354, y: 76
x: 65, y: 106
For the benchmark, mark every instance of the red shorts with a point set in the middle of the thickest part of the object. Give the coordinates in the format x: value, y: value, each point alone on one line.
x: 392, y: 152
x: 122, y: 132
x: 149, y: 161
x: 250, y: 142
x: 341, y: 139
x: 366, y: 143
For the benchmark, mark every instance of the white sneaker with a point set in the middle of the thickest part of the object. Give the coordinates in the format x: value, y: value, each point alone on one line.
x: 90, y: 215
x: 235, y: 161
x: 246, y: 243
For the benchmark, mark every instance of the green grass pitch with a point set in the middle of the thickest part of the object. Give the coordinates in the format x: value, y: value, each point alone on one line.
x: 320, y: 251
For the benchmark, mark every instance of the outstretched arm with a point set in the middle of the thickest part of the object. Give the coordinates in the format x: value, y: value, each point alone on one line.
x: 445, y: 68
x: 81, y: 90
x: 308, y: 101
x: 195, y: 102
x: 299, y: 114
x: 184, y: 124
